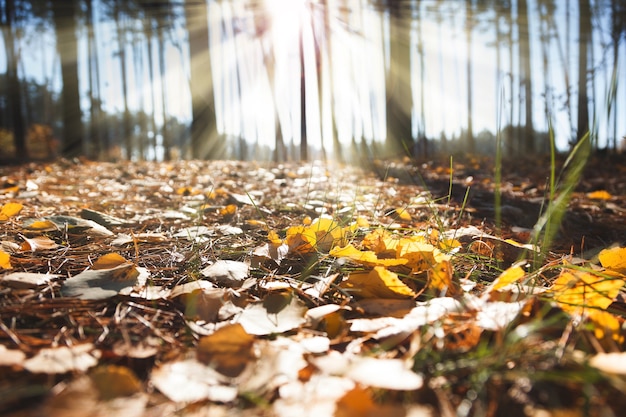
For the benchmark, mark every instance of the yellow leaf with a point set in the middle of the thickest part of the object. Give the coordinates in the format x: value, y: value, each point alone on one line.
x: 614, y: 259
x: 187, y: 191
x: 509, y: 276
x: 362, y: 221
x: 367, y: 258
x: 42, y: 226
x: 440, y: 278
x: 377, y: 283
x: 575, y: 290
x: 108, y: 261
x: 229, y: 210
x: 377, y: 241
x: 606, y: 324
x: 228, y: 350
x: 420, y: 255
x: 5, y: 260
x: 403, y: 214
x: 9, y: 210
x: 599, y: 195
x: 296, y: 241
x: 273, y: 237
x: 307, y: 221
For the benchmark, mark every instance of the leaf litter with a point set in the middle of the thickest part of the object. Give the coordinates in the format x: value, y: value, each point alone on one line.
x: 217, y: 287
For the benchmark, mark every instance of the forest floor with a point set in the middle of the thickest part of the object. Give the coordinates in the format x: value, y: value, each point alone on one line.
x: 254, y: 289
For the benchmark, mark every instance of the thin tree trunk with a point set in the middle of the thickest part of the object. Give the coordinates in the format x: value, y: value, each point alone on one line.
x: 67, y: 45
x: 14, y: 87
x: 126, y: 123
x: 203, y: 124
x: 526, y: 77
x: 584, y: 33
x: 167, y: 146
x: 304, y: 146
x: 471, y: 145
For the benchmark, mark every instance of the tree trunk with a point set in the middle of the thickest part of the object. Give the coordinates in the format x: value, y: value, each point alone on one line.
x: 471, y: 145
x: 67, y: 45
x: 203, y: 124
x: 304, y: 146
x: 584, y: 33
x: 526, y: 77
x: 167, y: 146
x: 399, y: 99
x: 121, y: 40
x: 14, y: 89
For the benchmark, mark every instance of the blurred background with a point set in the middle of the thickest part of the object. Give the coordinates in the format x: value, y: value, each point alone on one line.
x: 308, y: 79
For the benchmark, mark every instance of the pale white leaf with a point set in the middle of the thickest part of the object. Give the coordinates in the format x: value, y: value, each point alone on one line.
x: 63, y: 359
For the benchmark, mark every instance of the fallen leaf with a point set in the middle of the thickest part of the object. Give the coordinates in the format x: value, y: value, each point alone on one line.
x: 613, y: 259
x: 509, y: 276
x: 63, y: 359
x: 115, y: 381
x: 11, y: 357
x: 277, y: 313
x: 23, y: 280
x: 391, y: 374
x: 5, y: 260
x: 599, y: 195
x: 228, y: 350
x: 38, y: 243
x: 108, y: 261
x: 101, y: 283
x: 367, y: 258
x: 227, y: 273
x: 9, y: 210
x: 440, y: 278
x: 191, y: 381
x: 576, y: 290
x: 377, y: 283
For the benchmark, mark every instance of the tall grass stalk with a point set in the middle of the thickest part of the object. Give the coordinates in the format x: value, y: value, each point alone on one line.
x: 548, y: 224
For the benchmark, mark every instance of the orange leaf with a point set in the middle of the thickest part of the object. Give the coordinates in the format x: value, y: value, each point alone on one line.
x: 108, y: 261
x: 599, y: 195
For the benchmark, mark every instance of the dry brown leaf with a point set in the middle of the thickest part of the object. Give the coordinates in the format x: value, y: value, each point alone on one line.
x: 228, y: 350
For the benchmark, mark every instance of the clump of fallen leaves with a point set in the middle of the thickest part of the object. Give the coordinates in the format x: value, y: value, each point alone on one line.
x: 194, y: 287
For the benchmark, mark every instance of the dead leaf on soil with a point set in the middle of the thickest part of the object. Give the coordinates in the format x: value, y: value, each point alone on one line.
x: 9, y: 210
x: 5, y: 260
x: 277, y: 313
x: 99, y: 284
x: 191, y: 381
x: 37, y: 244
x: 227, y: 273
x: 63, y: 359
x: 24, y: 280
x: 228, y: 350
x: 377, y: 283
x: 11, y: 357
